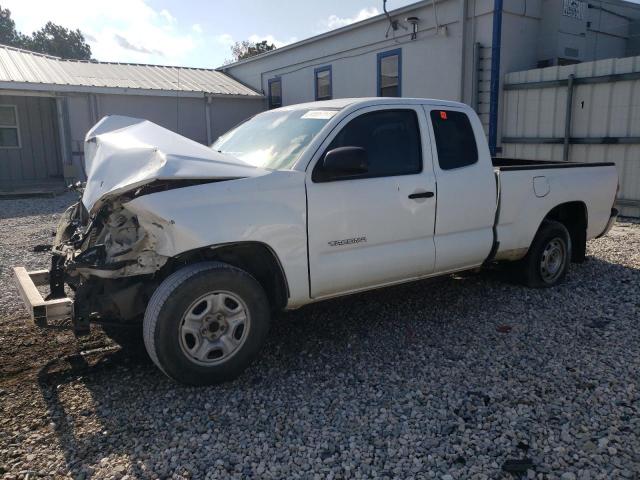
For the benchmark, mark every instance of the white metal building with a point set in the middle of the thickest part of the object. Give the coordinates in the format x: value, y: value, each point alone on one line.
x: 47, y: 105
x: 449, y: 49
x: 586, y: 112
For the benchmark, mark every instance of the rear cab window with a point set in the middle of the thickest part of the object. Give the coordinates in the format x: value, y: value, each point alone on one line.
x: 455, y: 139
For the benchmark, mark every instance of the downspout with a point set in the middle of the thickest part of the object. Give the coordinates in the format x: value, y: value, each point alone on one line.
x: 567, y: 118
x: 496, y: 41
x: 62, y: 113
x: 207, y: 115
x: 463, y: 53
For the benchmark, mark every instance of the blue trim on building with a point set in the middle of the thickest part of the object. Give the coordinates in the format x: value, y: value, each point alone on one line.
x: 315, y: 81
x: 389, y: 53
x: 269, y: 82
x: 496, y: 41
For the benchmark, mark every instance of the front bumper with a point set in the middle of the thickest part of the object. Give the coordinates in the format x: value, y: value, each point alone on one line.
x: 612, y: 220
x: 41, y: 311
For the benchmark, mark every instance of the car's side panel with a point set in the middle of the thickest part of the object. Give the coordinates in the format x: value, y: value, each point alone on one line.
x: 268, y: 209
x: 524, y: 204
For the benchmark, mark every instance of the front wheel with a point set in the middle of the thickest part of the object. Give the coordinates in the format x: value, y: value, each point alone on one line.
x: 205, y: 323
x: 547, y: 262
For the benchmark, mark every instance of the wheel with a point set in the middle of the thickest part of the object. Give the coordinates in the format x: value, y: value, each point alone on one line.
x: 205, y: 323
x: 547, y: 261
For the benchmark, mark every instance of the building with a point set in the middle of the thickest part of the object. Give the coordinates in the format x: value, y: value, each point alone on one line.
x: 47, y: 105
x: 449, y: 49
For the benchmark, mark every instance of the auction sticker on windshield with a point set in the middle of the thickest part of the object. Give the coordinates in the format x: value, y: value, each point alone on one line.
x: 320, y: 114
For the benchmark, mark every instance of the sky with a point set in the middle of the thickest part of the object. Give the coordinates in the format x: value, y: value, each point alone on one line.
x: 193, y: 33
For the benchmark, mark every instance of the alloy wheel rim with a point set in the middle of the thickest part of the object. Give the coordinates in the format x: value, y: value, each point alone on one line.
x: 214, y: 327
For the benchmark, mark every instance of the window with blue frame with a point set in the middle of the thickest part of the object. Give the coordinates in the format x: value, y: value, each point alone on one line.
x: 323, y: 83
x: 390, y: 73
x: 275, y: 92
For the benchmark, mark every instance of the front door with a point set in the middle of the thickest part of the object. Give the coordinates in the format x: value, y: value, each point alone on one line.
x: 377, y: 227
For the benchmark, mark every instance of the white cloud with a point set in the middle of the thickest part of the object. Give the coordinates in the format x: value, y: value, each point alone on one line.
x: 196, y: 27
x: 224, y: 39
x: 335, y: 21
x: 117, y: 30
x: 164, y: 13
x: 255, y: 38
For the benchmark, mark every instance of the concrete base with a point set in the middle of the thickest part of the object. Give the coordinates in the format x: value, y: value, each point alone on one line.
x: 32, y: 189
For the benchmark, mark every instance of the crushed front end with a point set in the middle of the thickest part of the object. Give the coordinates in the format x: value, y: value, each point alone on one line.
x: 105, y: 253
x: 107, y: 259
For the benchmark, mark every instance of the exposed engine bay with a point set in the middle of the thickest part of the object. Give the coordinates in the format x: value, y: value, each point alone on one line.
x: 108, y: 259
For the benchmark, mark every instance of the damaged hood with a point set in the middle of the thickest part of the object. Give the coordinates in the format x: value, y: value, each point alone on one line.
x: 124, y: 153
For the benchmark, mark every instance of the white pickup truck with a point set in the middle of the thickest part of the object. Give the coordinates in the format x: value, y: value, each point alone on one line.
x: 303, y: 203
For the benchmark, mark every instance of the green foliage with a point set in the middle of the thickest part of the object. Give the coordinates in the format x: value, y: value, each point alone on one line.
x: 51, y: 39
x: 62, y: 42
x: 246, y: 49
x: 8, y: 33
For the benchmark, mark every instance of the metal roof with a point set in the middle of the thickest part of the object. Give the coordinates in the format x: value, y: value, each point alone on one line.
x: 25, y: 68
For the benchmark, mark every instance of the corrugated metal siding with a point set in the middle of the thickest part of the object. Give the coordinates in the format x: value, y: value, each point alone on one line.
x: 608, y: 109
x: 38, y: 158
x: 20, y: 66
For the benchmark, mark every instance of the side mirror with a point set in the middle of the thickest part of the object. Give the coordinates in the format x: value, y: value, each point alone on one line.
x: 344, y: 161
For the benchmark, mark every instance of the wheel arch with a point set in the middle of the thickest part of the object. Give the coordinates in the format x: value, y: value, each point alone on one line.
x: 256, y: 258
x: 575, y: 217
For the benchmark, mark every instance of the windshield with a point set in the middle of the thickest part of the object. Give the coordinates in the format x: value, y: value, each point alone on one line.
x: 274, y: 139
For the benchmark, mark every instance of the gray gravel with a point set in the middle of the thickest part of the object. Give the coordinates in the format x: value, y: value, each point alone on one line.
x: 446, y: 379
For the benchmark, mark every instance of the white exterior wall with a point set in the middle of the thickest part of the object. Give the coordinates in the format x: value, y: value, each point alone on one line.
x: 610, y: 109
x: 431, y: 64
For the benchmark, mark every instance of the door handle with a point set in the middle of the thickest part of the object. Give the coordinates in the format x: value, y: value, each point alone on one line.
x: 421, y: 195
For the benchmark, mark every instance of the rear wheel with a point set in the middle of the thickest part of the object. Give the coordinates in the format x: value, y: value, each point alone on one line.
x: 547, y: 261
x: 205, y: 323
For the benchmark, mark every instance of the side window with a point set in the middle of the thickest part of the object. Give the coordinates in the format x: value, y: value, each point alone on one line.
x: 323, y: 83
x: 391, y: 139
x: 390, y: 73
x: 455, y: 140
x: 275, y: 93
x: 9, y: 130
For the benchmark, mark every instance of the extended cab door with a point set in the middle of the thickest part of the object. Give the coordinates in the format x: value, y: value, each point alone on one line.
x: 466, y: 188
x: 373, y: 228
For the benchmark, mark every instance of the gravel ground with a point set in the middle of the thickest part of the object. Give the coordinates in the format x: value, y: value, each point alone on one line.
x: 450, y: 379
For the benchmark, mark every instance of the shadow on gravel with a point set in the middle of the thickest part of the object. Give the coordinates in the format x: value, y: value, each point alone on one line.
x: 363, y: 352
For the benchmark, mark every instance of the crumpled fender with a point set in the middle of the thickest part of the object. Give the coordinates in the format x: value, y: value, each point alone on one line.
x: 270, y: 209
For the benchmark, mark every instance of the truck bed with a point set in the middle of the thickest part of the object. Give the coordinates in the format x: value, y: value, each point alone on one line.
x: 514, y: 164
x: 529, y: 189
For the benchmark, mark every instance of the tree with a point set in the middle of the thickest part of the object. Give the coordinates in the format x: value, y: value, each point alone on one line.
x: 62, y: 42
x: 246, y: 49
x: 51, y: 39
x: 8, y: 33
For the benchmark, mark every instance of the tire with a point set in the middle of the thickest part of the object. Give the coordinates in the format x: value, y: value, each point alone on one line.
x: 205, y: 323
x: 547, y: 261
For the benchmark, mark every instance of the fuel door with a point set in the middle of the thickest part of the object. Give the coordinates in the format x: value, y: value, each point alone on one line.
x: 541, y: 186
